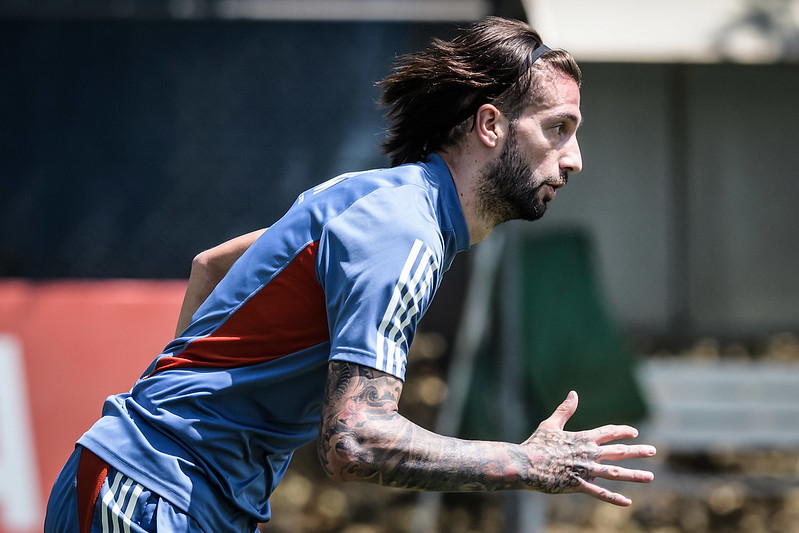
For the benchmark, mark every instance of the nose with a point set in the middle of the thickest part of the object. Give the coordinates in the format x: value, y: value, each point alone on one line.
x: 571, y: 160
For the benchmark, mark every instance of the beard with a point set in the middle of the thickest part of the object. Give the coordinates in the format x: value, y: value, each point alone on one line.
x: 505, y: 191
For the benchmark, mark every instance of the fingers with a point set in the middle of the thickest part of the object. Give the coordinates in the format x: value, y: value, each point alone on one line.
x: 611, y: 432
x: 614, y: 473
x: 562, y: 414
x: 618, y: 473
x: 603, y: 494
x: 581, y: 455
x: 617, y: 452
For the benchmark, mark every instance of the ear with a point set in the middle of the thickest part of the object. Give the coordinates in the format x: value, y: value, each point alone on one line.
x: 490, y: 125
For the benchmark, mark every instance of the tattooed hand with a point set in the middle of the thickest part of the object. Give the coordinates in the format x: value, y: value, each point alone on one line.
x: 563, y: 461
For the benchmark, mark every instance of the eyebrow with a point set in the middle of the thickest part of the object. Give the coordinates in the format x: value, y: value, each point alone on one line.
x: 571, y: 117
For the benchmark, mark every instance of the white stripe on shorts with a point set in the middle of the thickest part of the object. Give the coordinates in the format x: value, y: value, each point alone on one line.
x: 113, y: 518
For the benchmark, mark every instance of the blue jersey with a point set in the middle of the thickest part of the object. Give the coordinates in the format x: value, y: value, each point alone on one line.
x: 345, y: 274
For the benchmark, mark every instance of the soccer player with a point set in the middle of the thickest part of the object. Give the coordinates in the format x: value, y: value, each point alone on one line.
x: 301, y: 331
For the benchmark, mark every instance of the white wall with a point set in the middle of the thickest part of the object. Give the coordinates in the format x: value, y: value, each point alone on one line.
x: 689, y: 192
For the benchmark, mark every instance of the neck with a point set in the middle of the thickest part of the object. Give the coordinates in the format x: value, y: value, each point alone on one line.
x: 465, y: 168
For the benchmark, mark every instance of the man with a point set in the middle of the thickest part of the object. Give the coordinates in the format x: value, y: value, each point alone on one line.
x: 301, y: 331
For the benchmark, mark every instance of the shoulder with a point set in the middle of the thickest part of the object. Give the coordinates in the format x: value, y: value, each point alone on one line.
x: 385, y: 204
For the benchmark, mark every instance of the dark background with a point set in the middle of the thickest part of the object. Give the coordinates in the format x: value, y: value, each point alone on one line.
x: 129, y: 146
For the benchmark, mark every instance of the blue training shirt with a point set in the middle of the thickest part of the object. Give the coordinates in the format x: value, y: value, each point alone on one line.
x: 345, y: 274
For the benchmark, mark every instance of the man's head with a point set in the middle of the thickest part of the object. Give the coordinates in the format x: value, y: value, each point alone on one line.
x: 538, y: 152
x: 432, y: 95
x: 500, y: 109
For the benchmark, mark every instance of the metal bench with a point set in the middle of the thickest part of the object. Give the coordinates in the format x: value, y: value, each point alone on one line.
x: 721, y: 405
x: 724, y: 406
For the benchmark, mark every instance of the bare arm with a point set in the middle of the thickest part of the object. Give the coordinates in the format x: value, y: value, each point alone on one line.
x: 207, y: 270
x: 364, y: 438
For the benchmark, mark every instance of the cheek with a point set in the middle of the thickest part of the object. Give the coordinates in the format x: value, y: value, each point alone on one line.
x: 537, y: 152
x: 545, y: 169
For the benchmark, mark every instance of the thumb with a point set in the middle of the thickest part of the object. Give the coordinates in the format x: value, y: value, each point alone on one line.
x: 562, y: 414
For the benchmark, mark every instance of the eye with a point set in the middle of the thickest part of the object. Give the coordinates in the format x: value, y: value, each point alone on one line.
x: 563, y: 127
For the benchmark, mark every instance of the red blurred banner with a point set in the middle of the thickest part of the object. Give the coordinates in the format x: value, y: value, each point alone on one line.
x: 64, y: 347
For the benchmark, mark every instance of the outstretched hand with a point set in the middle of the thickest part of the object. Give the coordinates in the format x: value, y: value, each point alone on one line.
x: 566, y: 461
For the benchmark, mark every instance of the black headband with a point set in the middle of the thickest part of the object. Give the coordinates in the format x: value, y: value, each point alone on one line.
x: 538, y: 52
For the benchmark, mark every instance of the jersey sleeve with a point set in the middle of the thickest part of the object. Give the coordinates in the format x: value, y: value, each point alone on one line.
x: 380, y: 265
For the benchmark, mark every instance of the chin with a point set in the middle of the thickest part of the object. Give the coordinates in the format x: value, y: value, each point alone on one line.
x: 533, y: 212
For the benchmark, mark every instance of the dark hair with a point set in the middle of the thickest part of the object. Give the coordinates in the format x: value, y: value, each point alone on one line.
x: 432, y: 95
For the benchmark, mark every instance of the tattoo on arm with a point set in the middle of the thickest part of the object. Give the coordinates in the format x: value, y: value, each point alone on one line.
x: 363, y: 437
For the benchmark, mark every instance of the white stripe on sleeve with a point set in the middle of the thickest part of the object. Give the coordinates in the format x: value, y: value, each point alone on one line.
x: 403, y: 306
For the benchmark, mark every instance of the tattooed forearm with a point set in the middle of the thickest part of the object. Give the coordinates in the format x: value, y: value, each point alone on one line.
x: 363, y: 437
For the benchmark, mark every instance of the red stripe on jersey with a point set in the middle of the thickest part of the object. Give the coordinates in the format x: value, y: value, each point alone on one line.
x: 92, y: 471
x: 286, y: 316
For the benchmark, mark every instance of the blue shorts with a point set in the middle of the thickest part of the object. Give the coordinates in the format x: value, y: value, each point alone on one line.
x: 90, y: 496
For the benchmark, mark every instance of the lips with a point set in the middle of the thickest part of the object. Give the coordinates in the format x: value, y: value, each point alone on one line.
x: 548, y: 190
x: 552, y: 187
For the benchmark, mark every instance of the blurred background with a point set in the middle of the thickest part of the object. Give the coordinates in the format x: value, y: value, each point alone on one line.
x: 663, y: 284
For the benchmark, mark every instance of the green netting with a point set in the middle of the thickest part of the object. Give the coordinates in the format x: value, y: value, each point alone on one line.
x: 569, y: 341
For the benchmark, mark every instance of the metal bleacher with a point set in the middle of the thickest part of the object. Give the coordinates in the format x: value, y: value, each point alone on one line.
x: 721, y: 405
x: 717, y: 409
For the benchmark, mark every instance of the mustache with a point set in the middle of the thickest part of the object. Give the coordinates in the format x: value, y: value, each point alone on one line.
x: 563, y: 180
